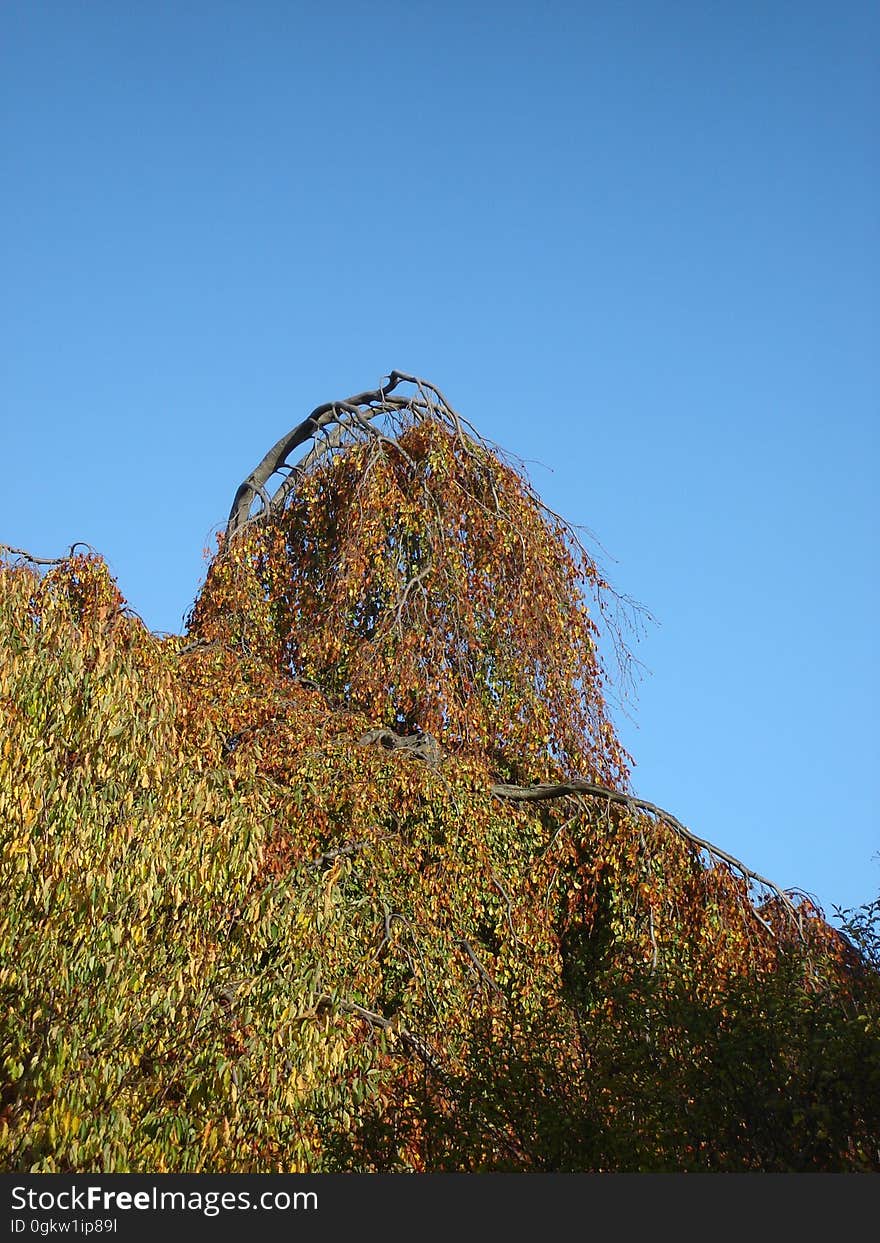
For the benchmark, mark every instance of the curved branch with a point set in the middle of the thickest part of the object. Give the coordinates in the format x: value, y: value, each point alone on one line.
x: 326, y: 427
x: 366, y: 405
x: 415, y: 744
x: 418, y: 1046
x: 589, y: 789
x: 26, y: 556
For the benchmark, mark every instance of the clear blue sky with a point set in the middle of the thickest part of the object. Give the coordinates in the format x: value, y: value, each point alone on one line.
x: 635, y: 242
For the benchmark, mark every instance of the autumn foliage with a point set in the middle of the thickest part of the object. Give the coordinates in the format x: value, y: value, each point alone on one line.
x: 273, y: 902
x: 419, y: 580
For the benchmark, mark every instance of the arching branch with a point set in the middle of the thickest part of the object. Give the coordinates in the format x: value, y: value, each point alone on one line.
x: 326, y: 427
x: 520, y: 794
x: 546, y: 791
x: 23, y: 555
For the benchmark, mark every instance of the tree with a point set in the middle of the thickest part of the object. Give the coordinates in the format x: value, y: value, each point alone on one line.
x: 410, y: 571
x: 350, y: 875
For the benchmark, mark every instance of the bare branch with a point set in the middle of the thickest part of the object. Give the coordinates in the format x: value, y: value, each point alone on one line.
x: 418, y: 1046
x: 421, y: 746
x: 326, y: 427
x: 27, y: 556
x: 366, y: 405
x: 480, y: 969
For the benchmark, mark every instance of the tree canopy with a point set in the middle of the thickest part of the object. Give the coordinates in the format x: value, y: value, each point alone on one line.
x: 350, y: 876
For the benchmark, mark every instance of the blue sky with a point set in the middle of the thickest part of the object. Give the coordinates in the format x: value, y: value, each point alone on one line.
x: 635, y: 243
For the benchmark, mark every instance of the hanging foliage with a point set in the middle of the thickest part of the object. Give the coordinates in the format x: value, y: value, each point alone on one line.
x: 413, y: 573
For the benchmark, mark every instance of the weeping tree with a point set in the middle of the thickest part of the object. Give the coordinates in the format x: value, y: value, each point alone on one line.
x: 411, y: 571
x: 388, y: 899
x: 407, y: 567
